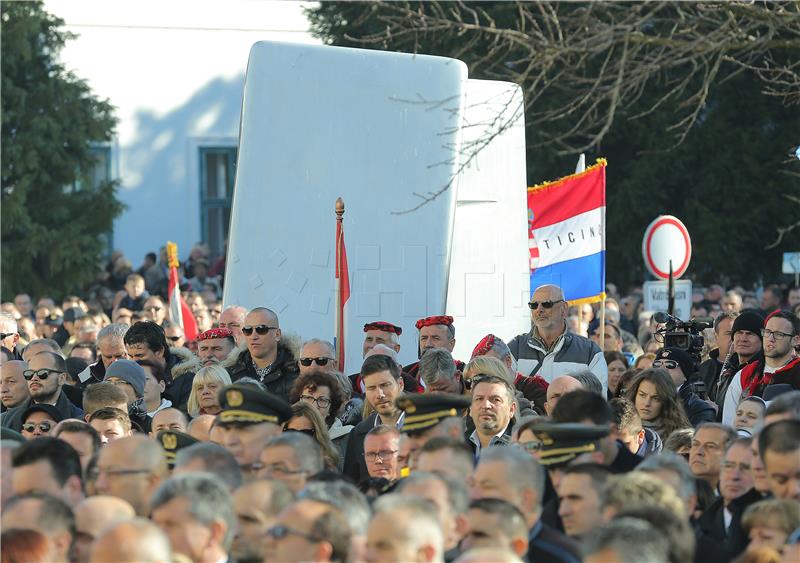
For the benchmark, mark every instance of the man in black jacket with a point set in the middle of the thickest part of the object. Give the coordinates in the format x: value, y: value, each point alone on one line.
x: 383, y: 384
x: 266, y: 358
x: 679, y: 364
x: 145, y: 340
x: 710, y: 370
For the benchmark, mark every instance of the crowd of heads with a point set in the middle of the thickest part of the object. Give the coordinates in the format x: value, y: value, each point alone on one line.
x: 585, y: 438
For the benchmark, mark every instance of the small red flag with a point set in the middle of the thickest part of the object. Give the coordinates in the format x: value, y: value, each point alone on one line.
x: 342, y: 284
x: 179, y: 311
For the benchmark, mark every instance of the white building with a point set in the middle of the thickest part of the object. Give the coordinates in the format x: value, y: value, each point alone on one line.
x: 174, y: 70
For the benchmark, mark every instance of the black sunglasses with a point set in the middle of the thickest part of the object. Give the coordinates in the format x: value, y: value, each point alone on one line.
x: 474, y: 380
x: 43, y: 427
x: 174, y: 338
x: 319, y: 361
x: 260, y: 329
x: 4, y: 335
x: 279, y: 532
x: 42, y: 374
x: 546, y: 304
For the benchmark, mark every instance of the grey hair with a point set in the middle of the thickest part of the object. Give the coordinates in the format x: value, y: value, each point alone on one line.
x: 114, y: 330
x: 210, y: 500
x: 49, y: 342
x: 152, y: 543
x: 252, y: 382
x: 306, y: 450
x: 346, y: 497
x: 669, y: 461
x: 216, y: 460
x: 328, y: 345
x: 437, y: 364
x: 457, y: 492
x: 785, y: 403
x: 633, y: 541
x: 522, y: 469
x: 424, y: 521
x: 588, y: 381
x: 7, y: 320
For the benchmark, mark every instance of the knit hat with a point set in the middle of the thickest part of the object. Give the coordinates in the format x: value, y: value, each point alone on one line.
x: 129, y: 372
x: 684, y: 360
x: 749, y: 320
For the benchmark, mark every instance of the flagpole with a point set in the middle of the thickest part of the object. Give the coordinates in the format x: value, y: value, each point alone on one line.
x: 339, y: 329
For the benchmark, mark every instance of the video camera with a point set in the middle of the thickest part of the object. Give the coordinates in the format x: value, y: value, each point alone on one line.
x: 687, y: 336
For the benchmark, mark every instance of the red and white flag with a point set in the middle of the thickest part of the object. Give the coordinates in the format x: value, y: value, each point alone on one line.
x: 342, y: 284
x: 179, y: 311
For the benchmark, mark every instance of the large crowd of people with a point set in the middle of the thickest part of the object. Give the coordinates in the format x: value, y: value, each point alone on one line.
x: 600, y: 435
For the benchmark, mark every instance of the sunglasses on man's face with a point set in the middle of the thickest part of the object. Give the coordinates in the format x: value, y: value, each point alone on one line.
x: 667, y: 364
x: 260, y: 329
x: 545, y: 304
x: 44, y: 427
x: 174, y: 338
x: 319, y: 361
x: 42, y: 374
x: 4, y: 335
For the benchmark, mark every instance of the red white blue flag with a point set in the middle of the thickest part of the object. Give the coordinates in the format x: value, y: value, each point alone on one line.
x: 567, y: 234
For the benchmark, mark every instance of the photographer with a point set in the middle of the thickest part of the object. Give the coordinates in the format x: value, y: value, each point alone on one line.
x: 680, y: 365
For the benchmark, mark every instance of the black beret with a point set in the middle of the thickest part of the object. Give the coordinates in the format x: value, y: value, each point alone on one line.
x: 426, y: 410
x: 244, y: 403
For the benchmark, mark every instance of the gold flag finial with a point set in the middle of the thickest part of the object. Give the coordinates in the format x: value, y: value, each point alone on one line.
x: 172, y: 255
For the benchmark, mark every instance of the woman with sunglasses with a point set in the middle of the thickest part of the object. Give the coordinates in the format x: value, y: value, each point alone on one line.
x: 39, y: 420
x: 323, y: 391
x: 204, y: 398
x: 657, y: 402
x: 307, y: 420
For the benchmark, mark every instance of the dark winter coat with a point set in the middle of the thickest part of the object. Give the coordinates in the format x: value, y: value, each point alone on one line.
x: 282, y: 373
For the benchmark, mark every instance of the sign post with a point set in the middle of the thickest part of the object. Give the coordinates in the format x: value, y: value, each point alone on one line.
x: 791, y: 264
x: 667, y: 250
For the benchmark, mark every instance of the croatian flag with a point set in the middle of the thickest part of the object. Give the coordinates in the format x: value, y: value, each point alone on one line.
x: 566, y: 234
x: 342, y: 285
x: 179, y: 311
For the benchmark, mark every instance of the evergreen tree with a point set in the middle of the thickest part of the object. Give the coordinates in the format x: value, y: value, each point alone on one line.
x: 53, y: 219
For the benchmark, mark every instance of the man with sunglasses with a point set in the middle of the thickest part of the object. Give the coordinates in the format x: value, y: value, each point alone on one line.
x: 267, y: 358
x: 780, y: 365
x: 549, y: 349
x: 46, y: 375
x: 317, y: 355
x: 681, y: 368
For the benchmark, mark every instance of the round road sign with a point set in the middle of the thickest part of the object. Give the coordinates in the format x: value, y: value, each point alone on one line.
x: 666, y: 239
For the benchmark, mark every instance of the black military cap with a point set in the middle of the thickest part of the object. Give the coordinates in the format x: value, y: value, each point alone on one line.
x: 244, y: 403
x: 172, y: 441
x: 561, y: 442
x: 426, y: 410
x: 53, y: 319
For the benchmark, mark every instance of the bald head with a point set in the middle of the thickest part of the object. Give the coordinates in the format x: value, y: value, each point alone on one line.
x: 137, y: 540
x: 200, y: 427
x: 548, y: 292
x: 13, y: 387
x: 92, y: 517
x: 268, y: 314
x: 558, y: 388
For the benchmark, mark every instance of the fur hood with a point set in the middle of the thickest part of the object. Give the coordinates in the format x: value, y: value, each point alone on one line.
x: 337, y: 429
x: 185, y: 362
x: 291, y: 342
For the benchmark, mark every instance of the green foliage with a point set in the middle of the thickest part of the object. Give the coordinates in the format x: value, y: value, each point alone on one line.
x: 726, y: 180
x: 51, y: 233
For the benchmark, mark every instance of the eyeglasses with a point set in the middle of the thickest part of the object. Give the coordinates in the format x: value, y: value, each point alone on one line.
x: 260, y: 329
x: 42, y: 374
x: 120, y: 472
x: 546, y: 304
x: 174, y: 338
x: 668, y: 364
x: 280, y: 531
x: 532, y: 446
x: 382, y: 456
x: 44, y: 427
x: 776, y: 334
x: 321, y: 402
x: 307, y: 361
x: 278, y: 469
x: 307, y: 431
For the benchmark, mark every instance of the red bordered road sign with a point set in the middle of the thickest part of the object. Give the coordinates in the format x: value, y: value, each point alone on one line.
x: 665, y: 239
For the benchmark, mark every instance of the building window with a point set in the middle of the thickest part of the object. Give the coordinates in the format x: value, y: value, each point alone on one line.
x: 99, y: 173
x: 217, y: 173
